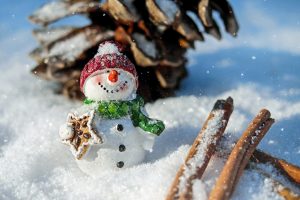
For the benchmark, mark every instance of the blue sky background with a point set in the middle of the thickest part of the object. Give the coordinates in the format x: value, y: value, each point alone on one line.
x: 264, y: 56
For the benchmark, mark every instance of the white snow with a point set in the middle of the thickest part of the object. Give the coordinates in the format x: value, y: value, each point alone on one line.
x: 34, y: 164
x: 199, y: 185
x: 260, y: 187
x: 49, y: 35
x: 71, y: 48
x: 59, y: 9
x: 45, y: 13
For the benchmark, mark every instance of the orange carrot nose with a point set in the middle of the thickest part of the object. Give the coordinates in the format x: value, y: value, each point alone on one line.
x: 113, y: 76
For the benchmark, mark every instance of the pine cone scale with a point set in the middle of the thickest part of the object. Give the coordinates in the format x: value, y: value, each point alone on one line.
x: 56, y: 10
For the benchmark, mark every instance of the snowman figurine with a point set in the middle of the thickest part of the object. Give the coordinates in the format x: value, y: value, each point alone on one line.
x: 111, y: 130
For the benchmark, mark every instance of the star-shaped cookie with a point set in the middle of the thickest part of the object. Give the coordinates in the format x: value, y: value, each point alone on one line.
x: 81, y: 132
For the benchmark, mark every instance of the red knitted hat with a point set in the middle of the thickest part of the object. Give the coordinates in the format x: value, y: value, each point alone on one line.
x: 109, y: 56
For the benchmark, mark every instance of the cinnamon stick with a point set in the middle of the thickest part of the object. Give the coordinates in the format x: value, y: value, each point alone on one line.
x: 288, y: 170
x: 285, y: 192
x: 292, y: 172
x: 240, y: 156
x: 201, y: 151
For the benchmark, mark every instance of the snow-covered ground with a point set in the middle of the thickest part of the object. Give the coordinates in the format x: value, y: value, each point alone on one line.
x: 259, y: 69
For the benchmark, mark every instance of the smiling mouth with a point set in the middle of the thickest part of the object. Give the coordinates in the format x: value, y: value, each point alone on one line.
x: 118, y: 87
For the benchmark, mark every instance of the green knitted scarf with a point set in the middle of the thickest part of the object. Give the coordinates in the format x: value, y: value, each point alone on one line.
x: 117, y: 109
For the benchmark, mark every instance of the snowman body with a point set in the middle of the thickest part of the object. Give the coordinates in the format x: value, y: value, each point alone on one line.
x: 123, y: 146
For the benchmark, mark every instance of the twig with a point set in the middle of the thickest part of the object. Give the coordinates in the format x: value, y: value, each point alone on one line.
x: 240, y: 156
x: 201, y: 151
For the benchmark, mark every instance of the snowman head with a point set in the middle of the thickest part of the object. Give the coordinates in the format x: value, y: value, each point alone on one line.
x: 109, y: 75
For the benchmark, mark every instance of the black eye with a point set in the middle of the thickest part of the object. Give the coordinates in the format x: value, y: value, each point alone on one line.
x: 107, y: 71
x: 119, y: 73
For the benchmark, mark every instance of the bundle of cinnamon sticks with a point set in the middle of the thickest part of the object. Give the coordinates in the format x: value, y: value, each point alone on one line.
x: 243, y: 153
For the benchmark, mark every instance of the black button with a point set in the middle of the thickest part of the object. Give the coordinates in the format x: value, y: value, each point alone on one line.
x: 122, y: 148
x: 120, y: 164
x: 120, y: 127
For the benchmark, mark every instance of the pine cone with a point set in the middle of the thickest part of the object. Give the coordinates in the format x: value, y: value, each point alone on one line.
x: 155, y: 33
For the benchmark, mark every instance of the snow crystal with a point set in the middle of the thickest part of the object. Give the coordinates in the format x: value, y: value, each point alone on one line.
x: 271, y: 142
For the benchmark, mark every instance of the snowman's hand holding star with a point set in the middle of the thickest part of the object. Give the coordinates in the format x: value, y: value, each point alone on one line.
x: 78, y: 132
